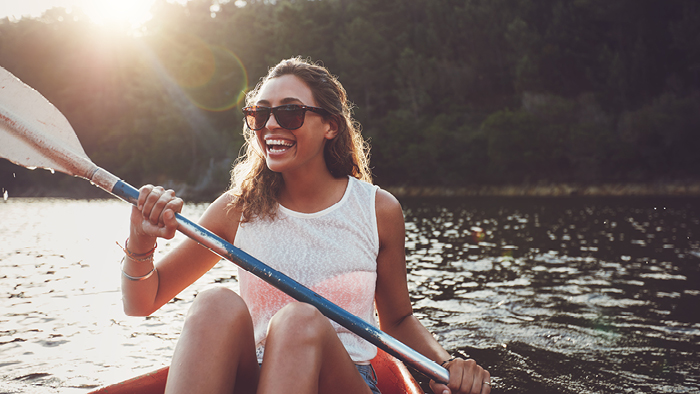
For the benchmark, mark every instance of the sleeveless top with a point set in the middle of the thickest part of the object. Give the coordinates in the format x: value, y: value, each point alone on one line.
x: 332, y: 252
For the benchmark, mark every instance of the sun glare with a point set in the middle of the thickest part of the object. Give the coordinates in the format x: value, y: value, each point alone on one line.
x: 127, y: 13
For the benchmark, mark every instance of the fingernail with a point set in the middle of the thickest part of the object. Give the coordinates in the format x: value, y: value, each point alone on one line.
x: 446, y: 392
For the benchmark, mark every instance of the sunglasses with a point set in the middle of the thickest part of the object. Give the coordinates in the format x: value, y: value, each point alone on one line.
x: 290, y: 116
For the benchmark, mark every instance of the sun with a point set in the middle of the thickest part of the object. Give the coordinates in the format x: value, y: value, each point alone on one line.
x: 131, y: 14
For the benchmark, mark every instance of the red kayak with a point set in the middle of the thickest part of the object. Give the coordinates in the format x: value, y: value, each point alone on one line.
x: 393, y: 378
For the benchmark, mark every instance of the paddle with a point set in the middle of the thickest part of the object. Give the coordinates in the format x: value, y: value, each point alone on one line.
x: 33, y: 133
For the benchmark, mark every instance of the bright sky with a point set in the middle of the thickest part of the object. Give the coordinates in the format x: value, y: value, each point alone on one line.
x: 103, y: 12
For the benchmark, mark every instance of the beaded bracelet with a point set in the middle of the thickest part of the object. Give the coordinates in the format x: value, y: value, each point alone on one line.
x: 138, y: 257
x: 136, y: 278
x: 148, y: 258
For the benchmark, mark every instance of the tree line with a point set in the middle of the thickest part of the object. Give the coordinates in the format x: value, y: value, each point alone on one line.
x: 450, y: 93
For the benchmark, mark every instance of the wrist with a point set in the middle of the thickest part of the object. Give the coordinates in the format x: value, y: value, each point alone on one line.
x: 139, y: 244
x: 144, y: 271
x: 138, y: 257
x: 447, y: 361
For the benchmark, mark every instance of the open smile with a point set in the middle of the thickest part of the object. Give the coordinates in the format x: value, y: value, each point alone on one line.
x: 278, y: 145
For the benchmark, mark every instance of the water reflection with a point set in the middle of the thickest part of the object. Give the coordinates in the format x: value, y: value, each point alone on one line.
x: 563, y: 295
x: 552, y: 295
x: 62, y: 328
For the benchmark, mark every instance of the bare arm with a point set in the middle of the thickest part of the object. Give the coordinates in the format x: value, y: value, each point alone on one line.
x: 394, y: 306
x: 154, y: 217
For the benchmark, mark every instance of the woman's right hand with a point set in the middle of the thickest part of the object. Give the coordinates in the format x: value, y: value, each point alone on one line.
x: 153, y: 216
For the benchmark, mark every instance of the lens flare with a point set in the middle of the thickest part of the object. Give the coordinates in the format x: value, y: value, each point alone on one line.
x: 212, y: 77
x: 227, y: 85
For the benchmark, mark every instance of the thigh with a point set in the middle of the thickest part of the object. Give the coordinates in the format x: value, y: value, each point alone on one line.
x: 339, y: 374
x: 302, y: 350
x: 216, y: 350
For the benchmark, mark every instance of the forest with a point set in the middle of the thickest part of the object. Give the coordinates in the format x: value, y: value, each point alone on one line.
x: 450, y: 93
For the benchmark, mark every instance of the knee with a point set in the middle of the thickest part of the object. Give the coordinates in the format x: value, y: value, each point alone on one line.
x: 298, y: 321
x: 217, y: 307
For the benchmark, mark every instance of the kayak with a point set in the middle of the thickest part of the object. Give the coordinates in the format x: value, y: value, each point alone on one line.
x: 392, y: 378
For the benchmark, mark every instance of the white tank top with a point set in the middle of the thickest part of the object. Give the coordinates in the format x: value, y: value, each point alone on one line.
x: 333, y: 252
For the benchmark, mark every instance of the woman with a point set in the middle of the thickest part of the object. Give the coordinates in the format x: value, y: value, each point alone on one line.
x: 301, y: 202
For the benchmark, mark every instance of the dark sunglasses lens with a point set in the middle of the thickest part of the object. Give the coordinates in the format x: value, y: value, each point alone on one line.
x: 290, y: 117
x: 256, y: 118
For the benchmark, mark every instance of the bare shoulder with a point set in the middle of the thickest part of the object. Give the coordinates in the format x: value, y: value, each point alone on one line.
x: 386, y: 200
x: 386, y: 203
x: 390, y: 220
x: 221, y: 217
x: 224, y: 203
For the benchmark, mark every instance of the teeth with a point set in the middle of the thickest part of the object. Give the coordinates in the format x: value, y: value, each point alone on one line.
x: 279, y: 142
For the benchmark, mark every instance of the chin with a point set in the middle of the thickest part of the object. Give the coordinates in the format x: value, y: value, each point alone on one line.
x: 273, y: 165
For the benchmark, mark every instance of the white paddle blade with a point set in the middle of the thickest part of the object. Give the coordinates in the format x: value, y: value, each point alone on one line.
x: 34, y: 133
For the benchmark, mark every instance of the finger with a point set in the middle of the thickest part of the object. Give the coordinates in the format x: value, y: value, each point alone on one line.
x: 176, y: 204
x: 476, y: 386
x: 150, y: 203
x: 439, y: 388
x: 486, y: 383
x: 143, y: 194
x: 156, y: 216
x: 170, y: 225
x: 169, y: 218
x: 460, y: 380
x: 480, y: 380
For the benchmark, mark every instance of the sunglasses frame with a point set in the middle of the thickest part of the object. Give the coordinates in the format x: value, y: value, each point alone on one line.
x: 254, y: 109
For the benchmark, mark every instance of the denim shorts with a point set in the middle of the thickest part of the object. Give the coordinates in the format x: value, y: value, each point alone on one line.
x: 368, y: 374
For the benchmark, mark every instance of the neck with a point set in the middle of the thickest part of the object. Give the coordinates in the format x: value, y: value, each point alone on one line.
x: 311, y: 192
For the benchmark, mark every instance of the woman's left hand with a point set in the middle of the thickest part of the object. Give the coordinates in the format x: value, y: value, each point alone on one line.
x: 466, y: 377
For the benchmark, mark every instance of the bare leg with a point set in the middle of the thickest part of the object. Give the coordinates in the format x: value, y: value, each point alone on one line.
x: 216, y: 351
x: 303, y: 354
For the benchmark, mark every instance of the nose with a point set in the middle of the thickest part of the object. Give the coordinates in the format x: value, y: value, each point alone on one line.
x: 272, y: 122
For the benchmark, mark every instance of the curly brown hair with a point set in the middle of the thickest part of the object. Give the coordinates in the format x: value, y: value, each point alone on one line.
x: 254, y: 186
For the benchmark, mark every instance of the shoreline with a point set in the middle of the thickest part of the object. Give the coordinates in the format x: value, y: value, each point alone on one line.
x: 650, y: 189
x: 621, y: 189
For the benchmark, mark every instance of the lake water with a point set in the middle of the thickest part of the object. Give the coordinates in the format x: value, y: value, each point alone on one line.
x: 551, y: 295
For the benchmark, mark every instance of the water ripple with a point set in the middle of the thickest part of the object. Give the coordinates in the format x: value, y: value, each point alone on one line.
x: 564, y: 295
x: 551, y: 295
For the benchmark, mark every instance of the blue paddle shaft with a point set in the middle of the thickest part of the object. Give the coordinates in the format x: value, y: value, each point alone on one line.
x: 298, y: 291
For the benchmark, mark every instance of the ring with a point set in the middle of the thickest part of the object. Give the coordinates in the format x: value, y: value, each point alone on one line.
x: 486, y: 383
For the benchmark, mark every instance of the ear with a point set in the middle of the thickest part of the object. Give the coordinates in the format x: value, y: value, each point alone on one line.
x: 332, y: 128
